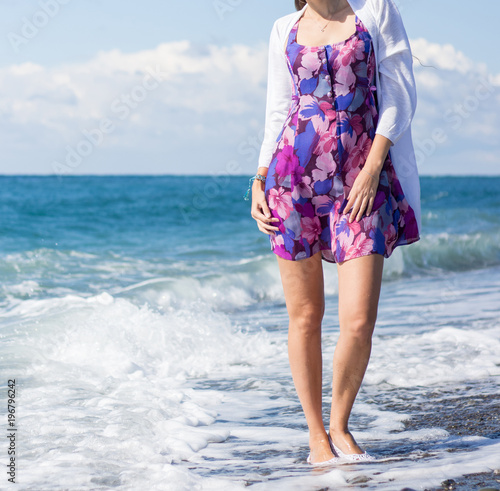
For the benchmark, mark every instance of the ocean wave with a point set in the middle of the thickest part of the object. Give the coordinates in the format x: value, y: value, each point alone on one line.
x: 453, y: 252
x: 226, y: 284
x: 104, y: 380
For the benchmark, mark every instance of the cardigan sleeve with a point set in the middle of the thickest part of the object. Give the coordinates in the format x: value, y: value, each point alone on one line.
x: 398, y: 97
x: 279, y: 96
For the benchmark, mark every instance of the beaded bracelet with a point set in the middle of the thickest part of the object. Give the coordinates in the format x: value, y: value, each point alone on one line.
x: 259, y: 177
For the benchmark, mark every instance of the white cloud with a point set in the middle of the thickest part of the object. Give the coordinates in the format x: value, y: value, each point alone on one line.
x: 458, y: 113
x: 206, y: 93
x: 210, y: 102
x: 445, y: 56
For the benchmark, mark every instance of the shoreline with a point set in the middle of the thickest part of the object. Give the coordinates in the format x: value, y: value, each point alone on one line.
x: 461, y: 415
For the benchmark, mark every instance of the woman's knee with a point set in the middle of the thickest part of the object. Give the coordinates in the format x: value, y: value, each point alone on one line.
x: 359, y: 328
x: 307, y: 321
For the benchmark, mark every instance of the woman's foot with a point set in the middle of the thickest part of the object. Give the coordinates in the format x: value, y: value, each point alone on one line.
x: 345, y: 442
x: 320, y: 450
x: 351, y: 457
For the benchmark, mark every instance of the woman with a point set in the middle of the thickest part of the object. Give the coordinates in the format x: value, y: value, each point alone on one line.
x: 337, y: 181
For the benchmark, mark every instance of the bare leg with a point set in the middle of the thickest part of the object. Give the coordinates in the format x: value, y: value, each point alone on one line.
x: 359, y: 291
x: 305, y: 301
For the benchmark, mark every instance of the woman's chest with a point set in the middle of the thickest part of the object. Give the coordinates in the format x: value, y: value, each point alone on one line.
x: 346, y: 63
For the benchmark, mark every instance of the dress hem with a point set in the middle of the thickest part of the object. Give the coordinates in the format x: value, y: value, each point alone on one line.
x: 385, y: 253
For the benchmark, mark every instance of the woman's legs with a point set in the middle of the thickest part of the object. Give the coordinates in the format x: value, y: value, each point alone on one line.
x: 359, y: 290
x: 304, y: 295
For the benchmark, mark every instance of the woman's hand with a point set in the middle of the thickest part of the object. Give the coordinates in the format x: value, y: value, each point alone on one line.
x: 363, y: 191
x: 362, y: 195
x: 260, y: 210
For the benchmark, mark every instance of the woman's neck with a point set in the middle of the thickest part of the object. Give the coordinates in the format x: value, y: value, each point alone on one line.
x: 327, y: 9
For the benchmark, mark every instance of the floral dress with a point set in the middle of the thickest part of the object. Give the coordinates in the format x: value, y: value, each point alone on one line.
x: 320, y: 150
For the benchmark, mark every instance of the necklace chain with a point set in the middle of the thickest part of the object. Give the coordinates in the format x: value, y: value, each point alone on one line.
x: 322, y: 29
x: 326, y: 25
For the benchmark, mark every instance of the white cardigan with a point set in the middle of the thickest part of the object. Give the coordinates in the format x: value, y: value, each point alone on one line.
x: 396, y: 91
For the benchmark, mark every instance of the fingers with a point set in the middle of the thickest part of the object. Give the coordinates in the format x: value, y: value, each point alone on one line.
x: 370, y: 206
x: 361, y: 197
x: 358, y: 204
x: 263, y: 216
x: 265, y: 210
x: 350, y: 202
x: 361, y: 210
x: 357, y: 209
x: 266, y: 227
x: 362, y: 206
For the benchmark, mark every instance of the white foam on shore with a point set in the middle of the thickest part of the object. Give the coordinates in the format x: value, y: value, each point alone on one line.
x: 102, y: 386
x: 443, y: 356
x: 114, y: 391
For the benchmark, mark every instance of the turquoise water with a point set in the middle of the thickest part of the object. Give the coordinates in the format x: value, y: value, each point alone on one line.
x: 144, y: 320
x: 196, y: 224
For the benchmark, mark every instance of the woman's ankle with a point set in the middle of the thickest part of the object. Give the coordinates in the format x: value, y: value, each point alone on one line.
x: 344, y: 440
x: 320, y: 449
x: 318, y: 436
x: 339, y: 432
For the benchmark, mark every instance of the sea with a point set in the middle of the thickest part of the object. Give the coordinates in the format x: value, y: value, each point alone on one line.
x: 144, y: 342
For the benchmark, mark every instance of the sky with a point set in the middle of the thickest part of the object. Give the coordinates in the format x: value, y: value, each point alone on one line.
x: 163, y: 87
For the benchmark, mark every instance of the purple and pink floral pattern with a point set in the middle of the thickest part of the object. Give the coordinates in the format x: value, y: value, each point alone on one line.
x: 321, y: 149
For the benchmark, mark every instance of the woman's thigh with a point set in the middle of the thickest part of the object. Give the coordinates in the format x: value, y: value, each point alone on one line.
x: 303, y: 286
